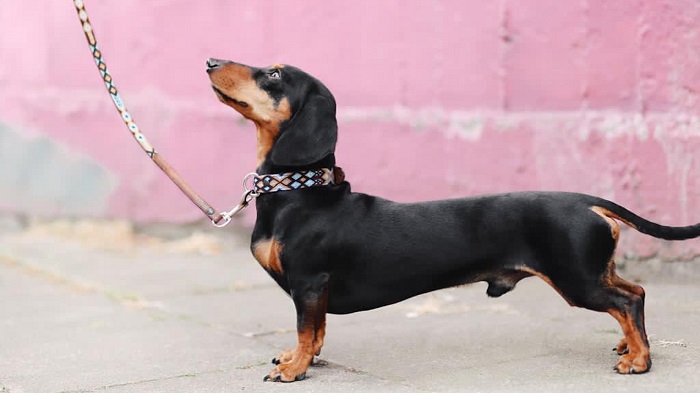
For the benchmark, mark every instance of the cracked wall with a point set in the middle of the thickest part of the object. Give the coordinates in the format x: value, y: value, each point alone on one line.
x: 435, y: 99
x: 41, y: 177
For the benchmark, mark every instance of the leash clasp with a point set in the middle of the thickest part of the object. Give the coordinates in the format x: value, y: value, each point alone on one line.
x: 248, y: 195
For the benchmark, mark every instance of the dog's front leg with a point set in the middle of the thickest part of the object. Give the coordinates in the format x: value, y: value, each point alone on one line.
x: 311, y: 305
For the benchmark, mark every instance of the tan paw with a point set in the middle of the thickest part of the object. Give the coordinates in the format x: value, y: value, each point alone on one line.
x: 284, y: 357
x: 286, y: 372
x: 621, y: 347
x: 633, y: 365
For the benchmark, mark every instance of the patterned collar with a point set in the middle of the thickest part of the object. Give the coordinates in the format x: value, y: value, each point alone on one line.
x: 264, y: 184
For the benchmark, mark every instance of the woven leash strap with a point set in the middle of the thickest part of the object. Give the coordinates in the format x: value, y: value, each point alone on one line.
x: 129, y: 121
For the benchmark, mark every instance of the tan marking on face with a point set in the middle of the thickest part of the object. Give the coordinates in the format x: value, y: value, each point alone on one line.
x: 608, y: 217
x: 267, y: 253
x: 278, y: 66
x: 267, y: 133
x: 236, y: 81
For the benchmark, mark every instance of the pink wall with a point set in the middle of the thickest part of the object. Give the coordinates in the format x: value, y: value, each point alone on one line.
x: 436, y: 99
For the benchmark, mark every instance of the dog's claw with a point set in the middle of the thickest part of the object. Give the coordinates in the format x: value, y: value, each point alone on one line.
x: 276, y: 378
x: 623, y: 352
x: 275, y: 361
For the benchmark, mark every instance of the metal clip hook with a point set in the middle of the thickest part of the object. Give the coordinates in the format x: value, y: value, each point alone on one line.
x: 248, y: 195
x: 226, y: 219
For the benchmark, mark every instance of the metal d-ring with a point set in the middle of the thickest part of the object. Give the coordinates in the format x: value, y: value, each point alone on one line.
x: 246, y: 178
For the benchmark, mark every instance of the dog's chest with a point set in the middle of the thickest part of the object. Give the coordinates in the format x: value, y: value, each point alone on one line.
x: 267, y: 252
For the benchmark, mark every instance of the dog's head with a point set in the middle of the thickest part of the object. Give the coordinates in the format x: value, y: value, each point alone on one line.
x: 294, y: 113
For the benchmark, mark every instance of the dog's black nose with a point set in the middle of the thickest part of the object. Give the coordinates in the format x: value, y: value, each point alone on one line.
x: 213, y: 63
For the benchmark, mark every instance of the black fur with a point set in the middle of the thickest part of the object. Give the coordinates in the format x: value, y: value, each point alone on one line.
x: 362, y: 252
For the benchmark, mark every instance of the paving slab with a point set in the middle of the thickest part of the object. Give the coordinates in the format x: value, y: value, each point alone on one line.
x: 79, y: 316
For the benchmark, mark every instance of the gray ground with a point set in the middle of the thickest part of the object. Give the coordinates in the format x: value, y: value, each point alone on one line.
x: 99, y: 307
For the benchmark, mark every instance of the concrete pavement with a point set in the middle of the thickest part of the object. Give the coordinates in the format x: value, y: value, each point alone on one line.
x: 104, y: 307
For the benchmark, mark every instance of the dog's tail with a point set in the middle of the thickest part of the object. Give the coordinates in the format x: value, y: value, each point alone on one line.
x: 645, y: 226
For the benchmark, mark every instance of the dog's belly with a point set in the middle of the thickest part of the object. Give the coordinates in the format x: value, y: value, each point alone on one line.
x: 346, y: 297
x: 401, y: 251
x: 368, y: 299
x: 380, y: 287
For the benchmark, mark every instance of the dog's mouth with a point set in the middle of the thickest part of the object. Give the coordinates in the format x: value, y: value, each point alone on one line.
x: 227, y: 98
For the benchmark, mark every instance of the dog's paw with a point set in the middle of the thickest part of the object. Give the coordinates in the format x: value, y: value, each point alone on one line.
x: 285, y: 373
x: 285, y: 356
x: 630, y: 365
x: 291, y: 366
x: 621, y: 347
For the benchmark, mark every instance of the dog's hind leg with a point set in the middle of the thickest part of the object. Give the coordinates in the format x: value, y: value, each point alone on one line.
x: 634, y: 319
x: 625, y: 302
x: 584, y: 274
x: 632, y: 289
x: 634, y: 346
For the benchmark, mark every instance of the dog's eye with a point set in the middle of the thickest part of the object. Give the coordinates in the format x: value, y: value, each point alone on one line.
x: 274, y: 74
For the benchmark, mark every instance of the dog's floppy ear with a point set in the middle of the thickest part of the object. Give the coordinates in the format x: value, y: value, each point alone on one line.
x: 309, y: 135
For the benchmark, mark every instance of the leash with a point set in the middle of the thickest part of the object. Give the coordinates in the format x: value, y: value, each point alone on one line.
x: 218, y: 219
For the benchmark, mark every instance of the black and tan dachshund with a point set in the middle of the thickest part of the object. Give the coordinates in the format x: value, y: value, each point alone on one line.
x: 336, y: 251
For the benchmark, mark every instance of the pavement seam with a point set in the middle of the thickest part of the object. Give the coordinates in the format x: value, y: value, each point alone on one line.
x: 323, y: 363
x: 134, y: 301
x: 132, y: 383
x: 156, y: 310
x: 235, y: 287
x: 124, y: 298
x: 46, y: 274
